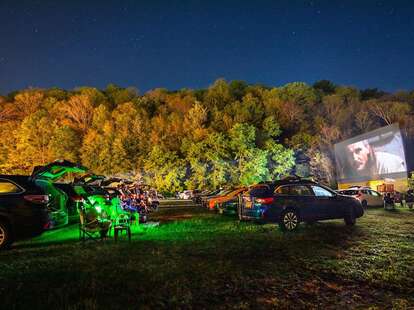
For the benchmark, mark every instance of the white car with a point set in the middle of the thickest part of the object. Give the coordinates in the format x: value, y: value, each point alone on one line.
x: 187, y: 194
x: 367, y: 196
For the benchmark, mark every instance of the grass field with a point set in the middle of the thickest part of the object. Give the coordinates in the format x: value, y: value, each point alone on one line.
x: 196, y: 259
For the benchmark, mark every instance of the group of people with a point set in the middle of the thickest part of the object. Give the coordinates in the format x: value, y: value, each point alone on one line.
x: 406, y: 199
x: 138, y: 199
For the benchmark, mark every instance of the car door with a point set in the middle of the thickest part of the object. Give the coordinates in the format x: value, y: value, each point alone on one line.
x: 305, y: 201
x: 12, y: 203
x: 297, y: 196
x: 377, y: 199
x: 366, y: 195
x: 328, y: 206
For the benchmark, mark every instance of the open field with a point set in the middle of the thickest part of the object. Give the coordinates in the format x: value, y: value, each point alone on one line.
x: 197, y: 259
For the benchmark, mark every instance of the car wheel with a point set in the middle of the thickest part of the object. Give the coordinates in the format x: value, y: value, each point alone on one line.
x: 349, y: 218
x: 289, y: 220
x: 364, y: 204
x: 5, y: 236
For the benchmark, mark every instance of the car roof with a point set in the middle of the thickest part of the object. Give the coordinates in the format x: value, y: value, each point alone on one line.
x: 293, y: 182
x: 21, y: 180
x: 359, y: 187
x: 272, y: 185
x: 16, y: 178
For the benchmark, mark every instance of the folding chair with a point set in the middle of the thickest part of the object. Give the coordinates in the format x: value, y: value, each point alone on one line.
x: 122, y: 223
x: 90, y: 227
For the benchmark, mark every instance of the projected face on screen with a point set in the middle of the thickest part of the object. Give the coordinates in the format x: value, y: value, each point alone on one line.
x: 379, y: 153
x: 361, y: 154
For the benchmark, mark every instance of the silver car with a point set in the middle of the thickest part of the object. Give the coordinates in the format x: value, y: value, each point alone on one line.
x: 367, y: 196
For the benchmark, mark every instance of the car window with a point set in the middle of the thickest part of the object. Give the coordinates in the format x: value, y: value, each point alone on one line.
x: 282, y: 190
x: 300, y: 190
x: 350, y: 192
x: 374, y: 193
x: 364, y: 191
x: 8, y: 187
x: 295, y: 190
x: 321, y: 192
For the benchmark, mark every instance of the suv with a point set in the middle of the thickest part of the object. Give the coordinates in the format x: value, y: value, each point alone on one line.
x: 367, y: 196
x: 294, y: 200
x: 46, y: 177
x: 23, y: 209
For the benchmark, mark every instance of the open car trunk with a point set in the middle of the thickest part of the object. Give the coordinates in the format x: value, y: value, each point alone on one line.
x: 44, y: 177
x: 90, y: 179
x: 91, y: 188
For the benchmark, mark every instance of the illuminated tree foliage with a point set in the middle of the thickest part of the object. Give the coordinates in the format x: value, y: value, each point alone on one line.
x: 231, y: 133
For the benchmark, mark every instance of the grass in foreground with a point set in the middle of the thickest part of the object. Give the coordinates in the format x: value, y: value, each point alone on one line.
x: 203, y: 260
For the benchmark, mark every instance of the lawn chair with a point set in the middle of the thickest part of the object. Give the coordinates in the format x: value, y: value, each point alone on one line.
x: 90, y: 227
x: 122, y: 223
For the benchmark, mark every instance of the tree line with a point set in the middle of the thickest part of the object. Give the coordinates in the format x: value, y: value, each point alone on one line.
x: 230, y: 133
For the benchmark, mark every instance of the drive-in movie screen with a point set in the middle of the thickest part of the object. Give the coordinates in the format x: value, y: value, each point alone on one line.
x: 189, y: 154
x: 379, y: 153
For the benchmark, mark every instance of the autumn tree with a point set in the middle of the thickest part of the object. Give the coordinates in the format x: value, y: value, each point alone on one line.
x: 78, y: 110
x: 33, y: 145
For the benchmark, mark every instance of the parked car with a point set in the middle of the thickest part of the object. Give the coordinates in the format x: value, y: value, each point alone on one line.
x: 367, y: 196
x: 88, y: 191
x: 205, y: 199
x: 230, y: 203
x: 23, y: 209
x: 294, y: 200
x: 187, y: 194
x: 217, y: 203
x: 46, y: 177
x: 197, y: 196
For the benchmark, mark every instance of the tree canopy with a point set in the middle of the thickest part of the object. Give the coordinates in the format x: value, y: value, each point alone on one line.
x: 230, y: 133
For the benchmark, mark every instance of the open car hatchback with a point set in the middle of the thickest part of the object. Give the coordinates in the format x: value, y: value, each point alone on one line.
x: 45, y: 178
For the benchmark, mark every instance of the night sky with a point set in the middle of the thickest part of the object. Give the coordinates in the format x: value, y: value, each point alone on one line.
x: 189, y: 44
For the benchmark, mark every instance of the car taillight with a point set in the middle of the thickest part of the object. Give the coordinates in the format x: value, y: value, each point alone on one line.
x: 39, y: 199
x: 77, y: 198
x: 264, y: 201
